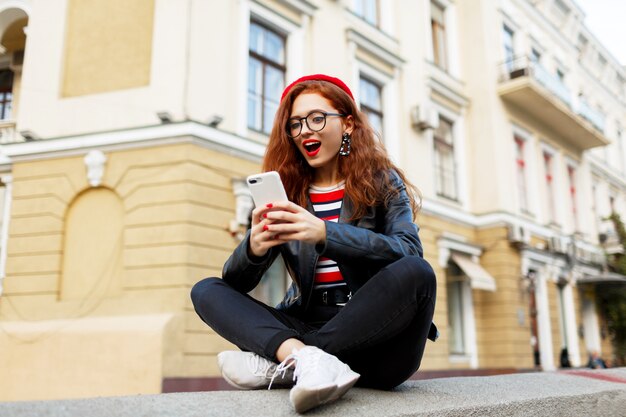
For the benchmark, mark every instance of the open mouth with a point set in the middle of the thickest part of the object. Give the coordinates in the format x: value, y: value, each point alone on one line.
x: 312, y: 147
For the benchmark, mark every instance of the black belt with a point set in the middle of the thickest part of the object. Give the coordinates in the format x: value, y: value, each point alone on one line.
x: 331, y: 296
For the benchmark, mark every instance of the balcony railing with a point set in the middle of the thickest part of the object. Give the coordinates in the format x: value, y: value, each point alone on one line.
x: 594, y: 116
x: 8, y: 134
x: 535, y: 93
x: 524, y: 66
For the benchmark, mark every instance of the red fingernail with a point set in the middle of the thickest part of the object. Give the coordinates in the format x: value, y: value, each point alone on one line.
x: 265, y: 216
x: 265, y: 228
x: 270, y: 205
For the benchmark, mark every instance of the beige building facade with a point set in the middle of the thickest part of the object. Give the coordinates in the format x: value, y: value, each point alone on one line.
x: 128, y: 128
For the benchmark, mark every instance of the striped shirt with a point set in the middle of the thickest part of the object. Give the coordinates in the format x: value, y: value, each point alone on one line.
x: 327, y: 206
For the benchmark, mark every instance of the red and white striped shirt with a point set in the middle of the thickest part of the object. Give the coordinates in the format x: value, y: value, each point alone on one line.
x: 327, y: 206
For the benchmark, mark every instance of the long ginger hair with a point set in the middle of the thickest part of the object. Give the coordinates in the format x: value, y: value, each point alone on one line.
x: 366, y: 170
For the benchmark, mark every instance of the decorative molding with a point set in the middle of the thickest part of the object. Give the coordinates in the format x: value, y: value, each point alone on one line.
x: 5, y: 162
x: 140, y: 137
x: 95, y: 161
x: 271, y: 17
x: 243, y: 207
x: 441, y: 84
x: 448, y: 243
x: 300, y: 6
x: 378, y: 51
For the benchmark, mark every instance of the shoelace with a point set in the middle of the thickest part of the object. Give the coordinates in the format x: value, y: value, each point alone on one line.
x: 299, y: 367
x: 283, y: 367
x: 259, y: 366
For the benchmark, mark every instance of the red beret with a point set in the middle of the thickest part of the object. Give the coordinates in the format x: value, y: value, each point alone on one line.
x: 318, y: 77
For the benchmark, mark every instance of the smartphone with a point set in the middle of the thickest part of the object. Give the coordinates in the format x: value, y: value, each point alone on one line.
x: 266, y: 188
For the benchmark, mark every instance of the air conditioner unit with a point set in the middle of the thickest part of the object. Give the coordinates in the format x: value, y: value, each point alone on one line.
x: 518, y: 234
x: 424, y: 117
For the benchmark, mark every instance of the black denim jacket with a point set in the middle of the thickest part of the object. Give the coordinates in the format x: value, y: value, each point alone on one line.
x: 361, y: 247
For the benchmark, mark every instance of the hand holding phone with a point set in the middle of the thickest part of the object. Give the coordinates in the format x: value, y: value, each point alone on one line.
x: 284, y: 222
x: 266, y: 188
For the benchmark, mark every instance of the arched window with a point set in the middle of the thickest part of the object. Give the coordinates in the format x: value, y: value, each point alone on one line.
x: 93, y: 243
x: 13, y: 24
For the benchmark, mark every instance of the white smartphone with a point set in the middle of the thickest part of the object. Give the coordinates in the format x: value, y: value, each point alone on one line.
x: 266, y: 188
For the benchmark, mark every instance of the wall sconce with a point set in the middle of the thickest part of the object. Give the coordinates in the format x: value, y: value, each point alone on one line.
x: 215, y: 120
x: 165, y: 117
x: 29, y: 135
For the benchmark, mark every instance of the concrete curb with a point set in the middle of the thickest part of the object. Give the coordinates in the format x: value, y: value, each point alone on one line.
x: 576, y: 393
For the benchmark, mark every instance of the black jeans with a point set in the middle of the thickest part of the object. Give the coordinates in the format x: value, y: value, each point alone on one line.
x: 380, y: 333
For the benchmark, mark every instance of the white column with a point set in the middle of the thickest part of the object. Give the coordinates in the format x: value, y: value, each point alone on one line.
x: 469, y: 326
x: 543, y: 322
x: 570, y: 325
x: 590, y: 325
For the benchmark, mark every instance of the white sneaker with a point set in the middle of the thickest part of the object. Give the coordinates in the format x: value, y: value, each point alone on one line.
x: 247, y: 370
x: 320, y: 377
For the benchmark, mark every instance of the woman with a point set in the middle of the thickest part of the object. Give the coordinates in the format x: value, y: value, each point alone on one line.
x: 362, y: 300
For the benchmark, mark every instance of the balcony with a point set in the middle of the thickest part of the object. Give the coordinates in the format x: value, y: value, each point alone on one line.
x: 9, y: 135
x: 541, y: 95
x: 592, y: 115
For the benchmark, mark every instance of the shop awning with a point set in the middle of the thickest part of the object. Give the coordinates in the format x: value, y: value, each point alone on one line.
x: 602, y: 277
x: 479, y: 278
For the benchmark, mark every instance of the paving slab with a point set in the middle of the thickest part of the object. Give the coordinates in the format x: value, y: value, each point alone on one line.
x: 573, y: 393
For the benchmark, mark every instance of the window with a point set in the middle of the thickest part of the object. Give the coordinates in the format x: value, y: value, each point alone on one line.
x: 620, y: 86
x: 583, y: 44
x: 571, y: 175
x: 6, y: 94
x: 612, y: 194
x: 445, y: 166
x: 535, y: 56
x: 560, y: 12
x: 266, y: 76
x: 509, y: 48
x: 372, y: 103
x: 438, y: 28
x: 547, y: 164
x: 520, y: 162
x: 595, y: 197
x: 368, y: 10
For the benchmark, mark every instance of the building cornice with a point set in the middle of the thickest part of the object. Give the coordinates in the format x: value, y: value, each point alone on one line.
x: 601, y: 169
x: 187, y: 131
x: 502, y: 219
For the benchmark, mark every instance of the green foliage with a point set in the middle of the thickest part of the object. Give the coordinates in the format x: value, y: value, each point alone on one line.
x: 612, y: 300
x: 612, y: 297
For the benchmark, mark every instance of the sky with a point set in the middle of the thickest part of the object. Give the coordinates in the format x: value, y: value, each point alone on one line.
x: 605, y: 19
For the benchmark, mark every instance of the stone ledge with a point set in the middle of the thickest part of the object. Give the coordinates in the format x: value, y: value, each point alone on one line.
x: 569, y: 393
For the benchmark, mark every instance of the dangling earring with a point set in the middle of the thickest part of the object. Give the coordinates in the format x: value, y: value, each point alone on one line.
x: 344, y: 150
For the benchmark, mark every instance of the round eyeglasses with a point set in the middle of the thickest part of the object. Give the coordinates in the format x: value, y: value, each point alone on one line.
x: 315, y: 121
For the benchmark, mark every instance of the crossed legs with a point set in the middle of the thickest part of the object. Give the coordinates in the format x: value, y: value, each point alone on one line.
x: 380, y: 333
